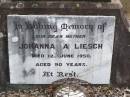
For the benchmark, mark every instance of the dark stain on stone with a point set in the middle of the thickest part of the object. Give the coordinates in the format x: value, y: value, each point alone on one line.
x: 29, y: 73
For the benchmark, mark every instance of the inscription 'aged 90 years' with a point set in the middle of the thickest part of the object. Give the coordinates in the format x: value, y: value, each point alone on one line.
x: 47, y: 48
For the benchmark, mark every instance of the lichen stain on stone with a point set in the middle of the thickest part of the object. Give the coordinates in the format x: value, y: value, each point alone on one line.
x: 29, y: 73
x: 1, y: 35
x: 20, y: 5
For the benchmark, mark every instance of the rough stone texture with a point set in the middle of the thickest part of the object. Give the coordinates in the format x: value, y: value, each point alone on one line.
x: 60, y: 0
x: 4, y: 71
x: 4, y: 1
x: 88, y: 90
x: 121, y: 57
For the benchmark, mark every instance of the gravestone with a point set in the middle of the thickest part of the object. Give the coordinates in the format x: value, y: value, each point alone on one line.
x: 50, y: 40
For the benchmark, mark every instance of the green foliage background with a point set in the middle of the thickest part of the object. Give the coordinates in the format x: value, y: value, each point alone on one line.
x: 126, y: 5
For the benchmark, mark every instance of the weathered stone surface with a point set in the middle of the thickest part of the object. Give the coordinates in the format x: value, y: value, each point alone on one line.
x: 83, y: 46
x: 120, y: 64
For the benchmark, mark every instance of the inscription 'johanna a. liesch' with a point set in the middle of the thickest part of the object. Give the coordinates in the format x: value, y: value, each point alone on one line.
x: 47, y: 48
x: 65, y: 46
